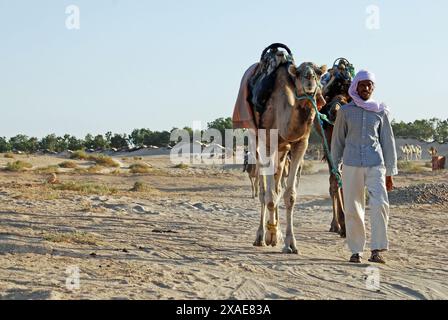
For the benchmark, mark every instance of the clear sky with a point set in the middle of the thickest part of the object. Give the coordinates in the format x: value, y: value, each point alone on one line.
x: 163, y: 64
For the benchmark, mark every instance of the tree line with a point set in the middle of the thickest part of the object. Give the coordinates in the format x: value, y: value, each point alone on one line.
x: 136, y: 139
x: 427, y: 130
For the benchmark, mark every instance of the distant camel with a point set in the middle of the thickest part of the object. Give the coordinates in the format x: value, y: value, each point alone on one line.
x: 252, y: 171
x: 407, y: 152
x: 418, y: 152
x: 433, y: 152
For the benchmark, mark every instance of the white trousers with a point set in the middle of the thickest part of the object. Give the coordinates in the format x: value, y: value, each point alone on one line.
x: 354, y: 181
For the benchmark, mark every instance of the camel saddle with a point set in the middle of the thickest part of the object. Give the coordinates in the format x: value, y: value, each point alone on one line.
x: 261, y: 84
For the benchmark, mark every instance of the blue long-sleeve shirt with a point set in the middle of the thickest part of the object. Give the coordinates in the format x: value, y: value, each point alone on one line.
x: 363, y: 138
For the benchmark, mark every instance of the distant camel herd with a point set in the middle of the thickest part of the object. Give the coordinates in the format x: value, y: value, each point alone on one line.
x: 411, y: 152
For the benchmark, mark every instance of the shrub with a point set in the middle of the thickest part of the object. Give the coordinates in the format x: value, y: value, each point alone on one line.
x: 79, y: 155
x: 409, y: 167
x: 140, y: 168
x: 72, y: 237
x: 181, y: 166
x: 141, y: 187
x: 86, y: 188
x: 68, y: 165
x: 18, y: 166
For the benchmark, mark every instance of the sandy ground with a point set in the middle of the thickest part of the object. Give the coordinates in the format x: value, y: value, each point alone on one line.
x: 190, y: 237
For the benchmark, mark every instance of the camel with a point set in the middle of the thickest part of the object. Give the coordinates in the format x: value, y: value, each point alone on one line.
x: 338, y: 221
x: 252, y: 171
x: 336, y: 94
x: 407, y: 152
x: 433, y: 152
x: 290, y: 113
x: 418, y: 152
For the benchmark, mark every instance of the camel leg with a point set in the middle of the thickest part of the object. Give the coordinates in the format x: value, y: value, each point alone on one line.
x: 252, y: 182
x: 257, y: 185
x: 340, y: 213
x: 335, y: 227
x: 297, y: 153
x: 260, y: 237
x: 273, y: 234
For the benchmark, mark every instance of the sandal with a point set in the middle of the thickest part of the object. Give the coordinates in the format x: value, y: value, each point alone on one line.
x: 355, y: 258
x: 376, y: 257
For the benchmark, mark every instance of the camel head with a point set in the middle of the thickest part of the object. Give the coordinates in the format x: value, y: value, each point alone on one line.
x: 306, y: 77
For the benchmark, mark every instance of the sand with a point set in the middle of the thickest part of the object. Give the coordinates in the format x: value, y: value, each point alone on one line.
x: 190, y: 237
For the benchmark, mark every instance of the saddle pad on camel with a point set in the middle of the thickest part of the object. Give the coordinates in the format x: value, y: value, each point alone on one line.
x: 243, y: 115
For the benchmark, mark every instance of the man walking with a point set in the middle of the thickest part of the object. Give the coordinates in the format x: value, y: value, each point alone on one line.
x: 364, y: 142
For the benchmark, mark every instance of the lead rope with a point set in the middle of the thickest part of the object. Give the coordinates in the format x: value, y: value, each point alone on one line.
x: 320, y: 118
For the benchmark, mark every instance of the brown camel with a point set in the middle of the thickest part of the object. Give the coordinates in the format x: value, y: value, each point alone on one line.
x: 290, y: 114
x: 252, y: 172
x: 331, y: 109
x: 336, y: 95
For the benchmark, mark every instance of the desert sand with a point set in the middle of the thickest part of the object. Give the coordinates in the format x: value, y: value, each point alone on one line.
x: 190, y: 237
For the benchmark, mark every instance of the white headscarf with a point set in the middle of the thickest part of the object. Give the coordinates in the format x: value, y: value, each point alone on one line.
x: 370, y: 105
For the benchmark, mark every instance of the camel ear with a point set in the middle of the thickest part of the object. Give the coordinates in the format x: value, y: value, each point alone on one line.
x: 292, y: 70
x: 320, y: 71
x: 323, y: 68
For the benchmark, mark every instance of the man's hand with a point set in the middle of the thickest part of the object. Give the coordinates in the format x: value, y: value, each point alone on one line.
x: 389, y: 183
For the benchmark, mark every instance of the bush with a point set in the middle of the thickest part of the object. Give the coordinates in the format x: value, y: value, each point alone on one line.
x: 140, y: 168
x: 105, y: 161
x: 18, y: 166
x: 99, y: 159
x: 86, y: 188
x: 409, y: 167
x: 46, y: 170
x: 181, y: 166
x: 72, y: 237
x: 68, y: 165
x: 141, y: 187
x: 79, y: 155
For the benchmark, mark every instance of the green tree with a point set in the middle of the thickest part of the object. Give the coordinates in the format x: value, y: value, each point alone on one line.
x: 221, y: 124
x: 119, y: 141
x: 88, y: 141
x: 4, y: 145
x: 49, y: 142
x: 75, y: 144
x: 441, y: 131
x: 20, y: 142
x: 99, y: 142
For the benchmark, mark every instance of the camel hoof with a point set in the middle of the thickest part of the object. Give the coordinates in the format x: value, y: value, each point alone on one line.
x: 258, y: 243
x: 289, y: 250
x: 335, y: 229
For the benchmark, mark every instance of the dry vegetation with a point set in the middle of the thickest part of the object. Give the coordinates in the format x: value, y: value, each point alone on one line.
x: 411, y: 167
x: 68, y: 165
x: 85, y: 188
x: 99, y: 159
x: 72, y: 237
x: 18, y: 166
x: 140, y: 168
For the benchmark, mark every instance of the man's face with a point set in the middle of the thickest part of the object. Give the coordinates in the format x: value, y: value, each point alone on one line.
x: 365, y: 89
